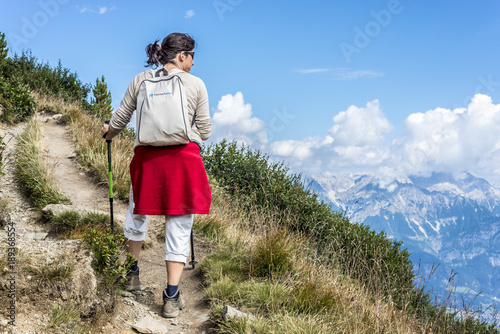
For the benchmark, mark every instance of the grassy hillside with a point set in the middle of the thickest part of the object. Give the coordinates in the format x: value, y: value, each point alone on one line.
x: 281, y: 254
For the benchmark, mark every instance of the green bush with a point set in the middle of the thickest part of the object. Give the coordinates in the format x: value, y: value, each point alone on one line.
x: 40, y: 77
x: 16, y: 100
x: 107, y: 250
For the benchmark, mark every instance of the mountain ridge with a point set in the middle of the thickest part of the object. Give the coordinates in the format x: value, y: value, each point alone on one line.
x: 445, y: 219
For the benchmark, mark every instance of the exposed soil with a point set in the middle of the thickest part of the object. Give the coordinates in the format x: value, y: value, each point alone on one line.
x: 34, y: 302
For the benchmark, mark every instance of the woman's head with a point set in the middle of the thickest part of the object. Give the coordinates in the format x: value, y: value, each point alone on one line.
x: 174, y: 48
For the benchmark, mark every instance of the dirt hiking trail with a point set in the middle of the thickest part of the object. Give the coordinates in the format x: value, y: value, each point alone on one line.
x: 138, y: 312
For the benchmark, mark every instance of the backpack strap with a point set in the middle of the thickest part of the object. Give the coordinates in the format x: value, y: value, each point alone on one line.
x: 165, y: 73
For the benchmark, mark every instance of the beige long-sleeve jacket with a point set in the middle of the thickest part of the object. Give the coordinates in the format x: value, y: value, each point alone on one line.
x: 197, y: 103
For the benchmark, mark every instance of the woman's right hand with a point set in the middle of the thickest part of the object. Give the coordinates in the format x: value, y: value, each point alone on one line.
x: 104, y: 129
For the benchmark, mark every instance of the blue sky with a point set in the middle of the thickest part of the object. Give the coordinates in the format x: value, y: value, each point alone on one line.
x: 337, y: 86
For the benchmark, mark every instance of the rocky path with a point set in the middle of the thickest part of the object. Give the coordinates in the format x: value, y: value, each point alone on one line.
x: 134, y: 313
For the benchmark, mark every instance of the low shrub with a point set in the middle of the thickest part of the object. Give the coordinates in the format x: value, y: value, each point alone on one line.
x: 71, y: 220
x: 107, y: 248
x: 16, y: 100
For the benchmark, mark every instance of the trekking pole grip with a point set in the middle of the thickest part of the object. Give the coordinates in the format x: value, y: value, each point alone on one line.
x: 104, y: 135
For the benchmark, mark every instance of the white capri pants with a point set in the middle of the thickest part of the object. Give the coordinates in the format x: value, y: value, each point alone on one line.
x: 177, y: 232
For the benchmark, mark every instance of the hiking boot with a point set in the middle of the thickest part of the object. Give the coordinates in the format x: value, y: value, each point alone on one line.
x: 133, y: 282
x: 172, y: 305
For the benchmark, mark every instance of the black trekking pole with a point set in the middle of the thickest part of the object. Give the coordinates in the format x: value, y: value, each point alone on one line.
x: 110, y: 182
x: 192, y: 262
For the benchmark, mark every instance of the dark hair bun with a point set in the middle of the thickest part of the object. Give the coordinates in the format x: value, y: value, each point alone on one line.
x: 153, y: 51
x: 169, y: 48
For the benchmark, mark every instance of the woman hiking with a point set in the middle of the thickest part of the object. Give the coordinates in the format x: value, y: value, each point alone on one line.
x: 166, y: 180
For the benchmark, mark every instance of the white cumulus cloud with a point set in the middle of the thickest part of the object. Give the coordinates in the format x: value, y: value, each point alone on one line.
x: 359, y: 135
x: 296, y: 149
x: 233, y: 120
x: 364, y: 126
x: 189, y: 14
x: 357, y: 138
x: 462, y: 139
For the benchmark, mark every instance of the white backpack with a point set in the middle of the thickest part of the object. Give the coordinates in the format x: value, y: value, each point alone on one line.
x: 162, y: 114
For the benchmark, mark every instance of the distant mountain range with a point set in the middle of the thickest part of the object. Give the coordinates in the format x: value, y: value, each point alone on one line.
x: 445, y: 219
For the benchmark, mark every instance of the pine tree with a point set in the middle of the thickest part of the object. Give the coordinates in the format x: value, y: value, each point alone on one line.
x: 3, y: 47
x: 101, y: 103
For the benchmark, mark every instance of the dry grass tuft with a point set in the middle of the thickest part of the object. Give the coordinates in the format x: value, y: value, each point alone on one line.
x: 35, y: 177
x: 66, y: 319
x: 60, y: 269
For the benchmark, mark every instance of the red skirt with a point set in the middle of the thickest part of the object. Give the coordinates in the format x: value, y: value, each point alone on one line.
x: 169, y: 180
